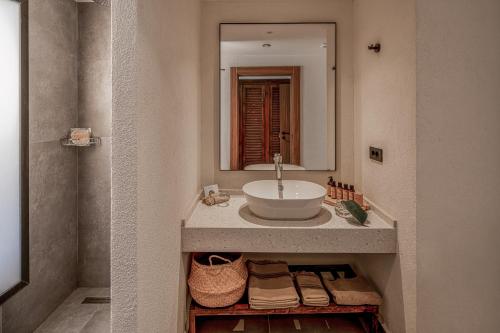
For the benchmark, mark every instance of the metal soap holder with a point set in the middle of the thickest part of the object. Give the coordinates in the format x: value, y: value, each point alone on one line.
x: 93, y: 140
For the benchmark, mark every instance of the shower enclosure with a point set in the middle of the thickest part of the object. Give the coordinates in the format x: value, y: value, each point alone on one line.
x: 67, y: 253
x: 14, y: 273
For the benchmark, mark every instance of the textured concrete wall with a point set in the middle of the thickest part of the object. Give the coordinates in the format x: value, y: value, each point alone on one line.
x: 458, y: 182
x: 156, y: 166
x: 215, y: 12
x: 94, y: 164
x: 384, y: 104
x: 53, y: 196
x: 124, y: 283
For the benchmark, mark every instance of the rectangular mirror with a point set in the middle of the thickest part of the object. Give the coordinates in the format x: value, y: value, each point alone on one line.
x: 277, y: 95
x: 13, y: 163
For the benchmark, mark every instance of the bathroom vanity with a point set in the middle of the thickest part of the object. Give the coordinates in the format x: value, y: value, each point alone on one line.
x: 233, y: 228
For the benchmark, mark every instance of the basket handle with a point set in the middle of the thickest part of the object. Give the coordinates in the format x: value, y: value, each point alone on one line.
x: 219, y: 269
x: 220, y: 258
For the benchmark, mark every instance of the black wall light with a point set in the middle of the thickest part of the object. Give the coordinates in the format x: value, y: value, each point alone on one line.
x: 374, y: 47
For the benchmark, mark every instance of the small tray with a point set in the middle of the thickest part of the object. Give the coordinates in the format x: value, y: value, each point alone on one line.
x: 333, y: 202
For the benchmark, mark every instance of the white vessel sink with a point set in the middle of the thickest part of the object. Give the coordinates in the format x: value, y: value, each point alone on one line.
x: 299, y: 200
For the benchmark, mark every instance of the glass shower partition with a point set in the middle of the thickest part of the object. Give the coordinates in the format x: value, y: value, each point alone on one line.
x: 13, y: 151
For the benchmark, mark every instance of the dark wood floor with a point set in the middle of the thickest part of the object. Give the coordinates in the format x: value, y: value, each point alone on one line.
x: 281, y: 324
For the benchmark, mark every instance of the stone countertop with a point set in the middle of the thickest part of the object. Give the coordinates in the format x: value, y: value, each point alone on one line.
x: 235, y: 229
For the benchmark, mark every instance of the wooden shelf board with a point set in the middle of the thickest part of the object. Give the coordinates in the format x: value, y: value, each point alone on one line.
x: 244, y: 309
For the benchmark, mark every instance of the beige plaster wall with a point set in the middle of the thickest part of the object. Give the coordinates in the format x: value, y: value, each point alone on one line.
x: 168, y: 151
x: 219, y: 11
x: 156, y: 62
x: 458, y: 164
x: 384, y: 104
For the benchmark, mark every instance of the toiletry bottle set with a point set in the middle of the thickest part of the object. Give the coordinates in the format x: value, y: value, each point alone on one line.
x: 340, y: 191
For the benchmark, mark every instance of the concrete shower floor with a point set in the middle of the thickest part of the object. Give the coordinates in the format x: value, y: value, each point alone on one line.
x: 74, y: 317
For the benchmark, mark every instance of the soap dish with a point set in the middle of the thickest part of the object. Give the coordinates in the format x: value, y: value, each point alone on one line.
x: 92, y: 142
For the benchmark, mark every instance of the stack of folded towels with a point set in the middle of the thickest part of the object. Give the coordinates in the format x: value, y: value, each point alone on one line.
x: 311, y: 289
x: 355, y: 291
x: 270, y: 286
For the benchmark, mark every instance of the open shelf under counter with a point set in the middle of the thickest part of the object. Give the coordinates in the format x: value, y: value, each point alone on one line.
x: 234, y: 228
x: 240, y: 310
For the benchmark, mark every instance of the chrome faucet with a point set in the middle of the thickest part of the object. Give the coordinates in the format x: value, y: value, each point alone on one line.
x: 278, y: 166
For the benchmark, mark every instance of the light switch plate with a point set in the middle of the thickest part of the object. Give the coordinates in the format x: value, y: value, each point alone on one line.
x: 376, y: 154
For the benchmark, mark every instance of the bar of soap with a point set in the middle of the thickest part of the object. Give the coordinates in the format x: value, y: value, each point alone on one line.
x: 80, y: 135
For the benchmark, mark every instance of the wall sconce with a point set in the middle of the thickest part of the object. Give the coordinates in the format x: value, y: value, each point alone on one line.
x: 374, y: 47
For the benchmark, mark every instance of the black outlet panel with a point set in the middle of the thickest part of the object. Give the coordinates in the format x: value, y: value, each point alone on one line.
x: 376, y: 154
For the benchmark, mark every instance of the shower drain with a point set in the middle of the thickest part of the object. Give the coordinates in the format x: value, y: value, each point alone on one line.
x: 97, y: 300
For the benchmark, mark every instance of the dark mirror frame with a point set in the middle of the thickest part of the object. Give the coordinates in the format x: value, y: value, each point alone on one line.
x: 335, y: 69
x: 24, y: 158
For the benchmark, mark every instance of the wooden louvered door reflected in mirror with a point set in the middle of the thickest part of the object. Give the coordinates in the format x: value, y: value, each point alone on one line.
x: 281, y: 125
x: 264, y: 121
x: 265, y: 116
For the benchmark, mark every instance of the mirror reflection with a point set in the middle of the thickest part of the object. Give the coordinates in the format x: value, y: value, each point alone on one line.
x: 277, y: 95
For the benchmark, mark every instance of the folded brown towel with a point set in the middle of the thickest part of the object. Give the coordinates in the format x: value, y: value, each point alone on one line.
x: 270, y: 286
x: 355, y: 291
x: 267, y: 268
x: 311, y: 289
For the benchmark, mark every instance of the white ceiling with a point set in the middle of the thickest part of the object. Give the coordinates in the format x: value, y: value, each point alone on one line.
x: 242, y: 32
x: 285, y: 39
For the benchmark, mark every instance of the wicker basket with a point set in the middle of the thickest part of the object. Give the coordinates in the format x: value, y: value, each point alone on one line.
x: 216, y: 286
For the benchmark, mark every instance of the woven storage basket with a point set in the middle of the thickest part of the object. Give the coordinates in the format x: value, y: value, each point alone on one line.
x: 217, y: 286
